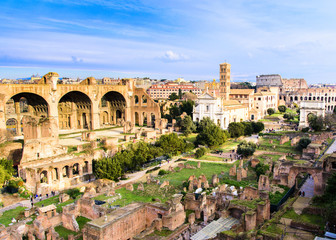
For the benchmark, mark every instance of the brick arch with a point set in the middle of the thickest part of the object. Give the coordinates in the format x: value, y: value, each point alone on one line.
x: 316, y: 173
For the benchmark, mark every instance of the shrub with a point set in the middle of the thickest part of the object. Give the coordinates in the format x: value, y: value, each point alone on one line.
x: 306, y: 129
x: 162, y: 172
x: 270, y: 111
x: 246, y: 148
x: 303, y: 143
x: 257, y: 127
x: 282, y: 108
x: 236, y: 129
x: 200, y: 152
x: 73, y: 193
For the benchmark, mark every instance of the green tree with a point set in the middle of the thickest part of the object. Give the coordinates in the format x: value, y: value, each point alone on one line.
x: 200, y: 152
x: 187, y: 107
x: 4, y: 176
x: 282, y: 108
x: 236, y: 129
x: 172, y: 144
x: 210, y: 134
x: 174, y: 112
x: 246, y: 148
x: 270, y: 111
x: 315, y: 122
x: 248, y: 129
x: 107, y: 168
x: 257, y: 127
x: 261, y: 169
x: 204, y: 123
x: 289, y: 116
x: 8, y: 165
x: 180, y: 94
x: 187, y: 125
x: 173, y: 97
x: 303, y: 143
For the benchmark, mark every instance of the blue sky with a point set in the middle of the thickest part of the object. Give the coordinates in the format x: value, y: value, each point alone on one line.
x: 169, y: 39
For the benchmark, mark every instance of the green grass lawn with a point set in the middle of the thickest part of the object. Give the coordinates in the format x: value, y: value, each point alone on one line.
x: 277, y: 196
x: 17, y: 213
x: 273, y: 228
x: 229, y: 145
x: 208, y: 169
x: 263, y: 157
x: 306, y: 218
x: 211, y: 158
x: 162, y: 233
x: 191, y: 138
x: 46, y: 202
x: 150, y: 193
x: 285, y: 148
x: 82, y: 221
x: 63, y: 232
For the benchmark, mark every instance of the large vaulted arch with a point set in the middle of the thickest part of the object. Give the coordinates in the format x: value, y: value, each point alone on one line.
x: 75, y: 111
x: 112, y: 108
x: 24, y: 104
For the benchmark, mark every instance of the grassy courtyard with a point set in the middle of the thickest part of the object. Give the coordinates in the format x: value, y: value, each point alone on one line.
x: 17, y: 213
x: 208, y: 169
x: 305, y: 218
x: 265, y: 145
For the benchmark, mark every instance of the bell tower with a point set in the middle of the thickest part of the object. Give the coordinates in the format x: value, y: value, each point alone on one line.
x: 224, y: 79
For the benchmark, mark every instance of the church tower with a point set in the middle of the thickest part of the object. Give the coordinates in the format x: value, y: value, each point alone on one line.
x: 224, y: 74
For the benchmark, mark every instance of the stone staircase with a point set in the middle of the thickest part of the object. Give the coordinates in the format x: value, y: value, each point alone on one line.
x: 211, y: 230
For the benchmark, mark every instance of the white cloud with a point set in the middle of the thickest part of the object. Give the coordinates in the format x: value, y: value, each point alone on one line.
x: 173, y: 56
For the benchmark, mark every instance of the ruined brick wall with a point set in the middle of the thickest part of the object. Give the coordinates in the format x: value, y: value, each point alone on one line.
x: 251, y: 193
x: 174, y: 220
x: 69, y: 222
x: 126, y: 227
x: 250, y: 221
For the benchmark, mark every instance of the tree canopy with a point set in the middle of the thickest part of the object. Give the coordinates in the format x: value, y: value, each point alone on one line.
x: 210, y: 134
x: 173, y: 97
x: 270, y: 111
x: 246, y: 148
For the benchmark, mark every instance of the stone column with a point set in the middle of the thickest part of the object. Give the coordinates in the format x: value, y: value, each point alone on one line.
x: 140, y: 119
x: 80, y: 170
x: 53, y: 116
x: 49, y: 177
x: 60, y: 174
x: 127, y: 114
x: 94, y: 115
x: 73, y: 116
x: 18, y: 117
x: 90, y: 167
x: 149, y: 119
x: 70, y: 169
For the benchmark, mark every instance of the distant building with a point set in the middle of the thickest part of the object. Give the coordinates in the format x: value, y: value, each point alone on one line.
x: 111, y: 81
x: 159, y: 91
x: 273, y: 80
x: 293, y: 84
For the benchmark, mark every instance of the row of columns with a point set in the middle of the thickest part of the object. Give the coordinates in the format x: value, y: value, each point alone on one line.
x: 141, y: 118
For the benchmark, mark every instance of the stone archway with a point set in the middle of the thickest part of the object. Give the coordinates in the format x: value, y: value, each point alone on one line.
x: 114, y: 105
x: 25, y: 104
x: 136, y: 118
x: 235, y: 212
x: 12, y: 126
x: 44, y: 177
x: 75, y: 111
x: 317, y: 175
x: 310, y: 107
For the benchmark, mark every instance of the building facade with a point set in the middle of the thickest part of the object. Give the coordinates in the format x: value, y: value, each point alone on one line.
x: 163, y: 91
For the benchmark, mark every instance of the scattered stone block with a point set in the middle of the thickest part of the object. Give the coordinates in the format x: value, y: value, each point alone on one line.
x: 164, y: 184
x: 140, y: 187
x: 129, y: 187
